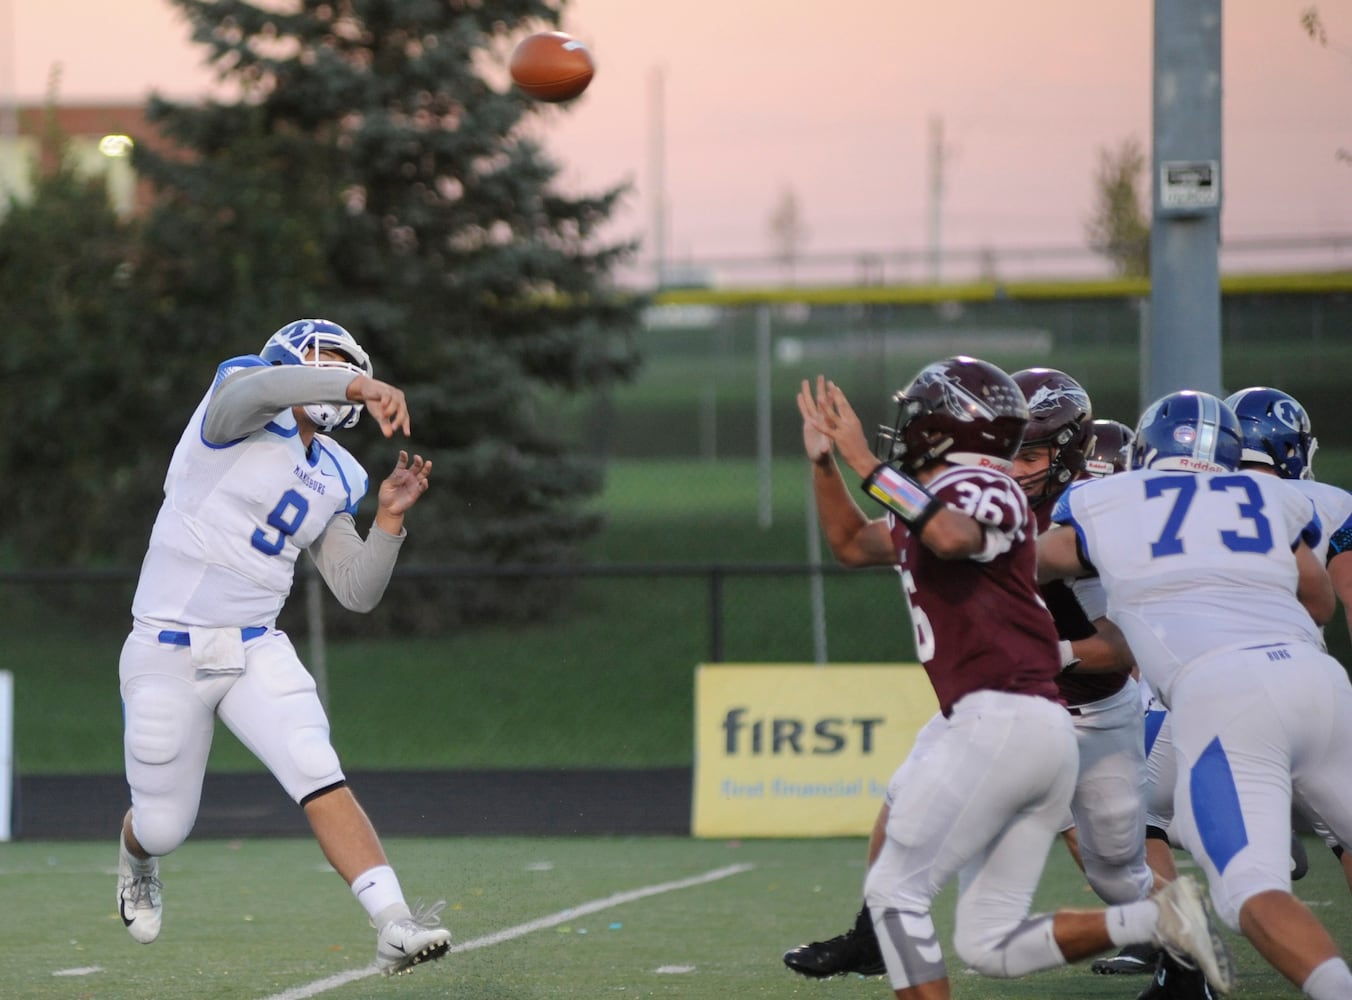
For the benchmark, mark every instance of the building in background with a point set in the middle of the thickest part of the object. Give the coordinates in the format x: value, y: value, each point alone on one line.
x: 97, y: 138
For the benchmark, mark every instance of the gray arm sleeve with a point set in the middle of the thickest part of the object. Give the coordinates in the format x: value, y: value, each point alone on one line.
x: 356, y: 570
x: 247, y: 399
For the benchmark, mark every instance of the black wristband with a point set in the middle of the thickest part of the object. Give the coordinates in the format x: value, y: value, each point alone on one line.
x: 918, y: 524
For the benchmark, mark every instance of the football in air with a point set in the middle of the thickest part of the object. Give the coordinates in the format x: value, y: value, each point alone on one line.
x: 551, y: 66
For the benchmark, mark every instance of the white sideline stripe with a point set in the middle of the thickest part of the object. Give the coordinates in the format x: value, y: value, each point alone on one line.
x: 540, y: 923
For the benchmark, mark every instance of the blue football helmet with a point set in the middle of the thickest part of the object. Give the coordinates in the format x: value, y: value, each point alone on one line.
x: 1276, y: 431
x: 1190, y: 432
x: 300, y: 343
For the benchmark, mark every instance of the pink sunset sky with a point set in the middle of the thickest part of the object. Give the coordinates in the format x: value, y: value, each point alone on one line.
x: 833, y: 101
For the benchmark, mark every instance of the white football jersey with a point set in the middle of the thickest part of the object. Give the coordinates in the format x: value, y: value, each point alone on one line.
x: 235, y: 518
x: 1195, y: 563
x: 1334, y: 505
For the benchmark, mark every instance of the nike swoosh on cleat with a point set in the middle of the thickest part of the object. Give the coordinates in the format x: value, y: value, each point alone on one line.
x: 122, y: 912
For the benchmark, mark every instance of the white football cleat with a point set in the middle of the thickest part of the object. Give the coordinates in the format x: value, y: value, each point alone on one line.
x: 1185, y: 930
x: 139, y: 900
x: 418, y: 938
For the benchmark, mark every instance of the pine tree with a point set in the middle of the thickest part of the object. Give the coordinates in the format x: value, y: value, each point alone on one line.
x: 75, y: 376
x: 371, y: 172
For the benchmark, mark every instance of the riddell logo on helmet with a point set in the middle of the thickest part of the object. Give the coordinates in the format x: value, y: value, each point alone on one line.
x: 1199, y: 465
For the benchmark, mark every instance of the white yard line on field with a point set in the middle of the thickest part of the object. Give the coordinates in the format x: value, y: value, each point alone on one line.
x: 540, y: 923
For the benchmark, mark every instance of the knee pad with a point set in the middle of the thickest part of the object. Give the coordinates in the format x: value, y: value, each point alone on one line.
x: 1119, y: 883
x: 312, y: 753
x: 979, y: 949
x: 154, y: 730
x: 1119, y: 852
x: 1110, y: 828
x: 1009, y: 952
x: 160, y: 829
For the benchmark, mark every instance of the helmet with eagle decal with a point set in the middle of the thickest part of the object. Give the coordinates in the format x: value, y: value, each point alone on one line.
x: 1060, y: 419
x: 961, y: 410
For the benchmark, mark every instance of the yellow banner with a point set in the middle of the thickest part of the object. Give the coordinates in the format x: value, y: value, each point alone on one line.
x: 801, y: 750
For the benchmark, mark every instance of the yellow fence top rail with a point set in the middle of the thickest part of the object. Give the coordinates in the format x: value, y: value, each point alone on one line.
x: 991, y: 291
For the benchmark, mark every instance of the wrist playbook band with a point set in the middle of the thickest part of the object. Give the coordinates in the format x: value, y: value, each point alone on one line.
x: 903, y: 496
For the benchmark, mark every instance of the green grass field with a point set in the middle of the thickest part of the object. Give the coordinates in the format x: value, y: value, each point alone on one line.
x: 249, y: 920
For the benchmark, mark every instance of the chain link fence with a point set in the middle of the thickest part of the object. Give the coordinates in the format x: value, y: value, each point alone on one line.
x: 709, y: 550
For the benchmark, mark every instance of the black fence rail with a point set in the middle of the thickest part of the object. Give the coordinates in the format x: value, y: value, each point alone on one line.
x: 604, y: 680
x: 714, y: 578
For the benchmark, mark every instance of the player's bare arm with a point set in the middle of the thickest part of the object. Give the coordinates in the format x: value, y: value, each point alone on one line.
x: 402, y: 488
x: 1313, y: 586
x: 854, y: 538
x: 950, y: 534
x: 1058, y: 555
x: 1104, y: 652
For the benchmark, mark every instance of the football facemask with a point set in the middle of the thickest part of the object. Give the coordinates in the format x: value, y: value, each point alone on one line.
x: 304, y: 342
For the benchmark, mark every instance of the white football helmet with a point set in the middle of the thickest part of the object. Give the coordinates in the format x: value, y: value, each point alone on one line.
x: 300, y: 343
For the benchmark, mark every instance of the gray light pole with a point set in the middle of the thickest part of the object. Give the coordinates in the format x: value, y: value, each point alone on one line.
x: 1182, y: 340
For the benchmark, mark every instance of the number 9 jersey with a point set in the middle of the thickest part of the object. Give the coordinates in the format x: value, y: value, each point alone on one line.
x: 235, y: 518
x: 1195, y: 563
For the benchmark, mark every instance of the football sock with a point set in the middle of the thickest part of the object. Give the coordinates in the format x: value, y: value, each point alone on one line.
x: 1132, y: 923
x: 1329, y: 980
x: 377, y: 889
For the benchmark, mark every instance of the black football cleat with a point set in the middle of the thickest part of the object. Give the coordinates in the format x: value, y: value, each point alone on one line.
x: 854, y: 951
x: 1175, y: 981
x: 1132, y: 960
x: 1300, y: 861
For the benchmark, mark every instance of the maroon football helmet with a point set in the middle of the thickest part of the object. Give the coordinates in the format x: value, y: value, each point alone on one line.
x: 1111, y: 453
x: 961, y: 410
x: 1060, y: 419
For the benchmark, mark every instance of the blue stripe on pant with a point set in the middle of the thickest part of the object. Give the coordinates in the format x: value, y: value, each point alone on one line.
x: 1215, y: 806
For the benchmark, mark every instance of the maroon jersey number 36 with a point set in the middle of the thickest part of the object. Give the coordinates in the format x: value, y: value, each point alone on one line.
x: 979, y: 622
